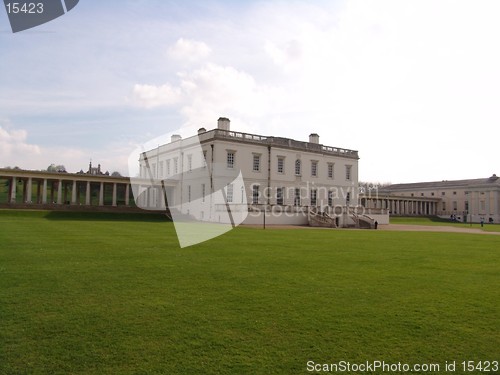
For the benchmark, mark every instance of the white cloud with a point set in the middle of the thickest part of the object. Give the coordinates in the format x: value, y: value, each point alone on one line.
x: 187, y: 50
x: 14, y: 148
x: 150, y: 96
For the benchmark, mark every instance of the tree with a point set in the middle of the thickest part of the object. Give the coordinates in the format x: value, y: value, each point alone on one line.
x: 56, y: 168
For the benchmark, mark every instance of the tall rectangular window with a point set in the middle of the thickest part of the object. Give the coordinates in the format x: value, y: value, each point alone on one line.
x: 230, y: 159
x: 153, y: 167
x: 314, y: 197
x: 298, y: 167
x: 229, y: 193
x: 279, y: 196
x: 189, y: 193
x: 296, y: 200
x: 314, y: 168
x: 455, y: 205
x: 203, y: 192
x: 176, y: 165
x: 255, y: 194
x: 168, y: 167
x: 330, y: 198
x: 256, y: 163
x: 466, y: 205
x: 190, y: 162
x: 281, y: 165
x: 330, y: 170
x: 348, y: 197
x: 348, y: 172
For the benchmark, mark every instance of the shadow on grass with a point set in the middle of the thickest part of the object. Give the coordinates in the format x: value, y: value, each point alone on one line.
x: 107, y: 216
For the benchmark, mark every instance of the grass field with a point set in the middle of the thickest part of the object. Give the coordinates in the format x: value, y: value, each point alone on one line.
x: 106, y: 294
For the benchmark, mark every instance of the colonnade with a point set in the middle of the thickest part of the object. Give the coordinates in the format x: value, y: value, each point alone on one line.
x: 70, y: 189
x: 405, y: 206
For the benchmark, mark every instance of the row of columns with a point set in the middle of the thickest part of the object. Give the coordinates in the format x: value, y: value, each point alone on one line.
x: 402, y: 206
x: 61, y: 188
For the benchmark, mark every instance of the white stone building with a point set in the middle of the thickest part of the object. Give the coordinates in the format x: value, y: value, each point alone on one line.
x: 464, y: 200
x: 278, y: 175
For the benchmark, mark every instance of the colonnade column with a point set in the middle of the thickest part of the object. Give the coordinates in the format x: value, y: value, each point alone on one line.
x: 73, y: 193
x: 44, y: 191
x: 114, y: 194
x: 127, y: 195
x: 29, y: 193
x: 13, y: 186
x: 101, y: 194
x: 59, y: 192
x: 87, y: 194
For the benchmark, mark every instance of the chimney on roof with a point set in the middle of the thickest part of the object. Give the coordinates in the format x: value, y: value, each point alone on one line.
x: 176, y: 137
x: 314, y: 138
x: 223, y: 123
x: 201, y: 131
x: 494, y: 177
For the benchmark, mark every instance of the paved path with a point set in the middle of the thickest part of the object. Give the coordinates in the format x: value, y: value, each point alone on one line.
x: 433, y: 228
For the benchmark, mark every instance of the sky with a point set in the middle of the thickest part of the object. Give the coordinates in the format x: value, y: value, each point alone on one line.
x: 414, y: 86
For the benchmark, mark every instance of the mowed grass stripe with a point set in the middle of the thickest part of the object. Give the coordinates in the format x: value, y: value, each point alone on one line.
x: 83, y: 295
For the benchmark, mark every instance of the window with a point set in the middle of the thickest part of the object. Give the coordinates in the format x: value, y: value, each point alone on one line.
x: 348, y: 197
x: 330, y: 198
x: 255, y: 194
x: 444, y: 206
x: 230, y: 159
x: 443, y: 193
x: 296, y: 200
x: 153, y: 167
x: 330, y: 170
x: 161, y: 169
x: 279, y: 196
x: 348, y: 172
x: 298, y: 167
x: 204, y: 161
x: 168, y: 167
x: 314, y: 168
x: 455, y: 205
x: 229, y: 193
x: 256, y: 163
x: 176, y: 165
x: 190, y: 162
x: 432, y: 194
x: 203, y: 192
x: 314, y: 197
x: 482, y: 205
x: 189, y: 193
x: 454, y: 193
x: 466, y: 205
x: 281, y: 165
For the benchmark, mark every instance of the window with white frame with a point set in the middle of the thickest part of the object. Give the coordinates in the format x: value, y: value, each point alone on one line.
x: 314, y: 197
x: 189, y: 193
x: 161, y: 169
x: 203, y: 192
x: 314, y: 168
x: 298, y: 167
x: 256, y: 163
x: 230, y: 159
x: 281, y: 165
x: 190, y: 162
x: 229, y: 193
x: 255, y: 194
x: 330, y: 198
x: 348, y: 169
x: 168, y: 167
x: 279, y: 196
x: 348, y: 197
x: 176, y: 165
x: 330, y: 170
x: 296, y: 200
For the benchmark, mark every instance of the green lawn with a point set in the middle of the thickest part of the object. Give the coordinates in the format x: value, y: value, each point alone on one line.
x: 107, y: 294
x: 436, y: 221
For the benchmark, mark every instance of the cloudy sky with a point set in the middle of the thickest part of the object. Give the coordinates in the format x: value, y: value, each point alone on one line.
x: 413, y: 85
